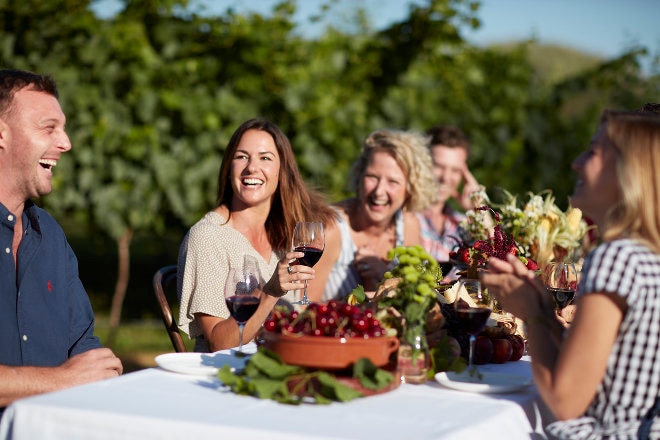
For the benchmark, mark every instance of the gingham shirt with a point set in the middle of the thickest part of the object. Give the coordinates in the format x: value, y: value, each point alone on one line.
x: 632, y: 379
x: 437, y: 243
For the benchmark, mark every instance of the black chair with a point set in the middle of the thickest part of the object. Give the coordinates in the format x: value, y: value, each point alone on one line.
x: 163, y: 279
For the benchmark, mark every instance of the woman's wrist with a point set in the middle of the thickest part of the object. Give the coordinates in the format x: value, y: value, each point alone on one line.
x: 274, y: 289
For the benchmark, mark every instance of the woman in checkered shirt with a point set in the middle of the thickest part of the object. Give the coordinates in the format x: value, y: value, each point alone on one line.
x: 601, y: 379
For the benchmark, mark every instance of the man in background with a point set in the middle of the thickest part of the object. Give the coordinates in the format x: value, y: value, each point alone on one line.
x: 450, y: 150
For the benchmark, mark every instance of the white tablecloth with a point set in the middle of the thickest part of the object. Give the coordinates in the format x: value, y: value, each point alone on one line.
x: 157, y: 404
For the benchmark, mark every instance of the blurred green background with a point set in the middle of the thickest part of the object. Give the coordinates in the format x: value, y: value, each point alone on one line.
x: 153, y: 93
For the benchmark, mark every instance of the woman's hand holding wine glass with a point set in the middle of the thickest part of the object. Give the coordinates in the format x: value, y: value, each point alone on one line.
x: 561, y: 282
x: 308, y: 238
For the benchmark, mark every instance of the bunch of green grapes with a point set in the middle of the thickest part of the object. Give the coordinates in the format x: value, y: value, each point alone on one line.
x: 415, y: 266
x: 417, y: 272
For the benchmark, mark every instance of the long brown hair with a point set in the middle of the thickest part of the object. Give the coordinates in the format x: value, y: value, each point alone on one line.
x: 292, y: 202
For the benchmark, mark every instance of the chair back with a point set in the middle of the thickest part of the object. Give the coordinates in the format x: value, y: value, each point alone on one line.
x: 164, y: 278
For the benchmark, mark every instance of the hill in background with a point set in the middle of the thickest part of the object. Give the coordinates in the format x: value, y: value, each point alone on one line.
x: 553, y: 62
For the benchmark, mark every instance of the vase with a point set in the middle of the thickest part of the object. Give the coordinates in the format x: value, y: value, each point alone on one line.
x: 413, y: 357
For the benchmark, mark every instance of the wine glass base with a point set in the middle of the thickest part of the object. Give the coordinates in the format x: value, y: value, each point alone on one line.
x: 303, y: 302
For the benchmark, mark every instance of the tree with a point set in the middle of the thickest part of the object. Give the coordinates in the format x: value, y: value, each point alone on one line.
x: 153, y: 94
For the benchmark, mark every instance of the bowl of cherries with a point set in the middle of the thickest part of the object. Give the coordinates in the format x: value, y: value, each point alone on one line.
x: 329, y: 336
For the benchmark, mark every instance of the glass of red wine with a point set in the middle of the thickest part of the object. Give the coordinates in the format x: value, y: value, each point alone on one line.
x: 308, y: 238
x: 561, y: 280
x: 242, y: 296
x: 472, y: 307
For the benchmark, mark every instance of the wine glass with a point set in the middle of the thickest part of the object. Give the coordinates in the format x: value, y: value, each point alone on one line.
x: 251, y: 271
x: 561, y: 282
x: 472, y: 312
x: 242, y: 297
x: 308, y: 238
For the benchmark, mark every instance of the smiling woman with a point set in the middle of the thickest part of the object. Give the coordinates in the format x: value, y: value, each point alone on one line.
x: 261, y: 196
x: 610, y: 354
x: 392, y: 179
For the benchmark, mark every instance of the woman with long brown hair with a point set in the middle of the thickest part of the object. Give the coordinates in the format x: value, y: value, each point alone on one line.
x: 261, y: 196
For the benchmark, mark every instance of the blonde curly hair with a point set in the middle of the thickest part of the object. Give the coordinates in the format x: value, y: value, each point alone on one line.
x: 410, y: 151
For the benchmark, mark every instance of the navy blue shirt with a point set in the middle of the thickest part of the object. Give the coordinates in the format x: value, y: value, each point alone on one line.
x: 45, y: 313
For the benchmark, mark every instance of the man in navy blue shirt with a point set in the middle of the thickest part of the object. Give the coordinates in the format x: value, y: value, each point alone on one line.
x: 47, y: 337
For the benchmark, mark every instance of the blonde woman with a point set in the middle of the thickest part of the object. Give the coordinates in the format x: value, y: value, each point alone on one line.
x: 602, y: 378
x: 392, y: 179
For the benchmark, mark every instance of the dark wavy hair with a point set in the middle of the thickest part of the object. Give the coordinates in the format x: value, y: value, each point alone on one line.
x: 292, y: 202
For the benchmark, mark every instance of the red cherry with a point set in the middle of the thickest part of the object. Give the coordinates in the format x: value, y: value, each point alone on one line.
x: 361, y: 325
x: 270, y: 325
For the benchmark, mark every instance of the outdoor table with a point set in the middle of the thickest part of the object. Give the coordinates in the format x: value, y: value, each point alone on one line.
x: 158, y: 404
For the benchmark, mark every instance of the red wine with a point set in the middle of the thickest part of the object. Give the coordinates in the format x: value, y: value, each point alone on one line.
x: 562, y: 297
x: 242, y: 307
x: 473, y: 319
x: 311, y: 257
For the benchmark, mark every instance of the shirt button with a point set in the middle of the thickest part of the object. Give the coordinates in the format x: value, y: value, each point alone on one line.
x: 24, y: 337
x: 7, y: 250
x: 10, y: 217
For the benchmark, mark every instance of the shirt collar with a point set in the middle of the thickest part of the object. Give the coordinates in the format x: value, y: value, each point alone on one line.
x: 30, y: 216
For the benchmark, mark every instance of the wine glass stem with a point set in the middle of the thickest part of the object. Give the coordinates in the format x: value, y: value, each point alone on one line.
x: 471, y: 354
x: 240, y: 339
x: 304, y: 300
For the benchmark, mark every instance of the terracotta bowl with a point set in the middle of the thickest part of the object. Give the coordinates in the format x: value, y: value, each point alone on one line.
x: 324, y: 352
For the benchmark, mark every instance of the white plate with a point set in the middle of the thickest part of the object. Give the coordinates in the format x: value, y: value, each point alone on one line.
x: 483, y: 382
x: 198, y: 364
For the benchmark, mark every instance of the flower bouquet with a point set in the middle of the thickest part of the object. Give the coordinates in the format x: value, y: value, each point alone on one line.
x: 538, y: 230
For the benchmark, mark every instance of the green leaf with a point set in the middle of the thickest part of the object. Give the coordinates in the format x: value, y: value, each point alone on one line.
x: 269, y: 364
x: 370, y: 376
x: 443, y: 359
x: 332, y: 388
x: 266, y: 388
x: 359, y: 294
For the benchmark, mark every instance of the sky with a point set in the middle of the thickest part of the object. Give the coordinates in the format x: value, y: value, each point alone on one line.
x: 601, y: 27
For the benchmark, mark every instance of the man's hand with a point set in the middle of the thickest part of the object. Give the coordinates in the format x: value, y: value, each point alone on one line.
x: 470, y: 186
x: 90, y: 366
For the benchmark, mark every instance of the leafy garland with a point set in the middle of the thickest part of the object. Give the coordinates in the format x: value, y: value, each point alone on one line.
x: 267, y: 377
